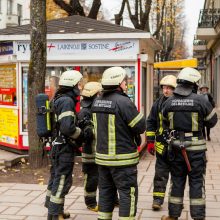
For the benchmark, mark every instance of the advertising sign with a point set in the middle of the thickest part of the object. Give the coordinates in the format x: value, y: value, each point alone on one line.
x: 9, y: 126
x: 81, y: 48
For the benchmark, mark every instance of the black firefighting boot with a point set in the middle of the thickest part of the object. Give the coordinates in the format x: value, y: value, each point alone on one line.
x: 156, y: 206
x: 93, y: 208
x: 164, y: 217
x: 57, y: 217
x: 199, y: 218
x: 65, y: 216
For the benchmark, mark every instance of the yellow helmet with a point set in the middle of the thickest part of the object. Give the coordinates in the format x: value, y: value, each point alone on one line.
x: 168, y: 80
x: 91, y: 88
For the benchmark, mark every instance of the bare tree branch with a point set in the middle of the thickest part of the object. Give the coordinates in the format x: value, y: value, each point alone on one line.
x: 119, y: 17
x: 95, y: 9
x: 134, y: 19
x: 66, y: 7
x: 141, y: 10
x: 136, y: 8
x: 145, y: 20
x: 159, y: 24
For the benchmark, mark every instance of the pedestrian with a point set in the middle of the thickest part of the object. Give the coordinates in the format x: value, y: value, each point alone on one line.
x: 90, y: 91
x: 204, y: 90
x: 67, y: 134
x: 118, y: 126
x: 156, y: 138
x: 185, y: 114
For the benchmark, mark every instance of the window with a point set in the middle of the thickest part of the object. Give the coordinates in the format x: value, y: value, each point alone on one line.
x: 90, y: 73
x: 19, y: 13
x: 9, y: 7
x: 0, y: 6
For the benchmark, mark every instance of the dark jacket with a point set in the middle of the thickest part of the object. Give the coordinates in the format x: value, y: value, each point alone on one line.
x: 65, y: 116
x: 188, y: 112
x: 85, y: 123
x: 209, y: 97
x: 155, y: 126
x: 116, y: 122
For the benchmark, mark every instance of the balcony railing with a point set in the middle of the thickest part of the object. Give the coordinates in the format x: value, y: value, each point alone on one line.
x: 208, y: 18
x: 199, y: 42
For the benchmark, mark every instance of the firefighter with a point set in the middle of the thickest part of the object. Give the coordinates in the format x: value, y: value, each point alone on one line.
x: 89, y: 168
x: 156, y: 137
x: 185, y: 113
x: 118, y: 126
x: 67, y: 137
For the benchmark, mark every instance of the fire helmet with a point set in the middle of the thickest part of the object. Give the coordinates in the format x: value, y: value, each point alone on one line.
x: 188, y: 75
x: 113, y: 76
x: 168, y: 80
x: 91, y: 88
x: 70, y: 78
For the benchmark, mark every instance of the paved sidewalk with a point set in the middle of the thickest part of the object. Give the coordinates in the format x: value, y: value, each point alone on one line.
x: 25, y: 201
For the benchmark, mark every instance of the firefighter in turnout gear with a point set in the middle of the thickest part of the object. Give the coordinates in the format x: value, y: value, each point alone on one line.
x: 185, y: 114
x: 89, y: 168
x: 64, y: 144
x: 156, y: 138
x: 118, y: 126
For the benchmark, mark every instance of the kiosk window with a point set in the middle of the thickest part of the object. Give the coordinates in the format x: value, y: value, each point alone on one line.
x: 8, y: 85
x: 90, y: 73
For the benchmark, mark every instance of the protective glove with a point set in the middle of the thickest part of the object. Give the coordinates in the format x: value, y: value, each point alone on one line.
x: 151, y: 148
x: 88, y: 134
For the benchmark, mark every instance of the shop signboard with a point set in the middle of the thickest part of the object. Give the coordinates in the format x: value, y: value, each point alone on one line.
x: 6, y: 48
x: 102, y: 48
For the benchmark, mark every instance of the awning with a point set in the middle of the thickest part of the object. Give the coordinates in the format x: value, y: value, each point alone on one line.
x: 176, y: 64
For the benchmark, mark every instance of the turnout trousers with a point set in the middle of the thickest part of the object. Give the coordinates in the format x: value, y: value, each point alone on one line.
x: 196, y: 178
x: 91, y: 176
x: 123, y: 180
x: 162, y: 170
x: 60, y: 182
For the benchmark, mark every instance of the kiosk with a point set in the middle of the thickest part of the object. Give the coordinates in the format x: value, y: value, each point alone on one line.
x: 74, y: 42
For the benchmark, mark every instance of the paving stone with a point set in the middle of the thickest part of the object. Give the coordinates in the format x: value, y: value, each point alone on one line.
x: 16, y: 192
x: 15, y: 198
x: 26, y: 201
x: 11, y: 211
x: 3, y: 207
x: 15, y: 217
x: 33, y: 210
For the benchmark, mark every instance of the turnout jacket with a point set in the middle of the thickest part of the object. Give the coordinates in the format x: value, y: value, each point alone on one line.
x: 85, y: 118
x: 65, y: 117
x: 189, y: 113
x: 155, y: 126
x: 116, y: 123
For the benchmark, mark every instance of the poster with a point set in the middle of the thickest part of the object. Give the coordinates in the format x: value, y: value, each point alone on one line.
x: 9, y: 126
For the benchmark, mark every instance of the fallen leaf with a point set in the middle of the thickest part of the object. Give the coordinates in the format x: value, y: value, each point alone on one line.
x: 23, y: 160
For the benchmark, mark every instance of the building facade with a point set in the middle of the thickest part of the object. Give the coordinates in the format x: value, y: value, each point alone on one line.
x: 207, y: 46
x: 14, y: 13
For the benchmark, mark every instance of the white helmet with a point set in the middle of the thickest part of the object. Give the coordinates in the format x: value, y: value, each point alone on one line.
x: 113, y: 76
x: 91, y: 88
x: 188, y: 75
x: 168, y: 80
x: 70, y: 78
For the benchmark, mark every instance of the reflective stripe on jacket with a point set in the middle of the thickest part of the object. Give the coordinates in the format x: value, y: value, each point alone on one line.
x: 116, y: 123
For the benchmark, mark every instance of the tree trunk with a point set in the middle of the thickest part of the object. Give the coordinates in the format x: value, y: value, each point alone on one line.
x: 36, y: 76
